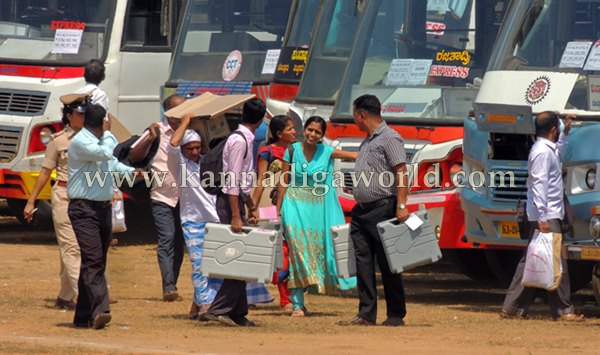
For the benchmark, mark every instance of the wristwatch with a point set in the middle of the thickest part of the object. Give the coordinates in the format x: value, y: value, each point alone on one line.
x: 401, y: 206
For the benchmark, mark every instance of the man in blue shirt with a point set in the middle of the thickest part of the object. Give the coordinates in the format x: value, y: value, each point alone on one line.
x: 90, y: 154
x: 545, y: 212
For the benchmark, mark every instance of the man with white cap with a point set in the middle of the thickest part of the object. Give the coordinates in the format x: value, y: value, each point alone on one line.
x: 196, y: 208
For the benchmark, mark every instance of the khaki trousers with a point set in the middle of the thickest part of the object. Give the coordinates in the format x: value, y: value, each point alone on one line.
x: 70, y: 256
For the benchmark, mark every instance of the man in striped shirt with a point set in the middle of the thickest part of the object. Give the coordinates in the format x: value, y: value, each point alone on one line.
x: 381, y: 152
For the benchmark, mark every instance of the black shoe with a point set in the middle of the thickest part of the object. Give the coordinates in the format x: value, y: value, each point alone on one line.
x: 505, y: 314
x: 357, y: 320
x: 87, y: 324
x: 64, y: 304
x: 171, y: 296
x: 393, y: 322
x: 245, y: 322
x: 101, y: 320
x: 223, y: 319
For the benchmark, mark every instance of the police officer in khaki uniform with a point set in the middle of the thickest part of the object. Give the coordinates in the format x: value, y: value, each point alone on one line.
x: 56, y: 157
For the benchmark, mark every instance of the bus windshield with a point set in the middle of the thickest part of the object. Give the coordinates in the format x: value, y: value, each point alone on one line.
x: 330, y: 50
x: 294, y: 52
x: 421, y: 57
x: 559, y: 36
x: 214, y: 31
x: 54, y: 32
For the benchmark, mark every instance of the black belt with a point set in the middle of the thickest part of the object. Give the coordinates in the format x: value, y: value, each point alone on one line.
x: 379, y: 203
x: 92, y: 203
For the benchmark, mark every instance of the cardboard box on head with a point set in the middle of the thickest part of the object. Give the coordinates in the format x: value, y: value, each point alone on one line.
x: 209, y: 113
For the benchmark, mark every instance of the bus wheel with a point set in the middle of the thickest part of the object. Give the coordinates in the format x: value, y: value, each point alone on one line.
x: 596, y: 283
x: 471, y: 263
x: 43, y: 216
x: 580, y: 274
x: 503, y: 264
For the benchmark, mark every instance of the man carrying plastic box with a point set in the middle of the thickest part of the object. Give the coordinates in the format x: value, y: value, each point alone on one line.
x: 230, y: 306
x: 380, y: 152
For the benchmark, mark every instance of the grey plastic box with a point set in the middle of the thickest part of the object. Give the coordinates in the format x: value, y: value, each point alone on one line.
x: 345, y: 261
x: 276, y: 226
x: 407, y: 249
x: 248, y: 256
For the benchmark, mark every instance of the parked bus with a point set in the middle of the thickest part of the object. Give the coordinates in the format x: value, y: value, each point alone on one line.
x: 327, y: 60
x: 228, y: 47
x: 293, y: 57
x: 546, y: 58
x: 424, y: 60
x: 224, y: 45
x: 44, y: 45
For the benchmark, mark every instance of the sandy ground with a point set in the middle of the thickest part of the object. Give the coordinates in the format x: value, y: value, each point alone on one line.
x: 446, y: 313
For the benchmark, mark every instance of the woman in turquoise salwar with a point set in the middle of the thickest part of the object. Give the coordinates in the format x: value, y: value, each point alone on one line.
x: 309, y: 206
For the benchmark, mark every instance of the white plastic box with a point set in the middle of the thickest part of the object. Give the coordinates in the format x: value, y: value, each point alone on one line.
x: 248, y: 256
x: 343, y: 248
x: 407, y: 249
x: 276, y: 226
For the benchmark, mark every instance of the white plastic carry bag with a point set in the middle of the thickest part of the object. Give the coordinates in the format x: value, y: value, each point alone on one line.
x: 118, y: 213
x: 543, y: 266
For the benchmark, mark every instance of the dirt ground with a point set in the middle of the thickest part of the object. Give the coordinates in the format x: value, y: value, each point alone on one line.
x: 447, y: 313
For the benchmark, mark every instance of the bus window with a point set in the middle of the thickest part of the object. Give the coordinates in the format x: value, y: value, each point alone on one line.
x: 147, y: 25
x: 213, y: 28
x: 28, y: 28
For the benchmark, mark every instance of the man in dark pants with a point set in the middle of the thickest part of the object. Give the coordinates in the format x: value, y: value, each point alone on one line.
x: 381, y: 152
x: 230, y: 305
x: 545, y: 210
x: 165, y: 201
x: 90, y: 153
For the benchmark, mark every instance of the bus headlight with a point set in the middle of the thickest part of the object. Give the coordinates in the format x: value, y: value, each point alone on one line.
x: 595, y: 227
x: 46, y: 135
x: 455, y: 169
x: 590, y: 179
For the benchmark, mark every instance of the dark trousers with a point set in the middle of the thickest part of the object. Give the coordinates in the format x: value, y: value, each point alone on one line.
x: 231, y: 299
x: 170, y: 243
x: 518, y: 298
x: 92, y: 224
x: 367, y: 247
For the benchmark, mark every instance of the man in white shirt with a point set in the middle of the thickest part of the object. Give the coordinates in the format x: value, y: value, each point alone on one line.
x: 94, y: 74
x: 545, y: 212
x: 197, y: 208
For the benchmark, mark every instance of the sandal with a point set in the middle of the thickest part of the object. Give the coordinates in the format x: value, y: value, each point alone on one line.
x: 194, y: 311
x: 298, y: 312
x: 571, y: 317
x: 287, y: 309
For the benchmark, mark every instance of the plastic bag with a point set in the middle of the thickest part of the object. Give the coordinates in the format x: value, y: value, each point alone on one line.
x: 543, y: 267
x: 118, y: 213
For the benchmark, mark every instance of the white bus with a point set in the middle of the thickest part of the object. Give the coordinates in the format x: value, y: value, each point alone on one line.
x: 44, y: 45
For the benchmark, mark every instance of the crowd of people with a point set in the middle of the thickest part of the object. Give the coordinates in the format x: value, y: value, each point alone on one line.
x: 83, y: 225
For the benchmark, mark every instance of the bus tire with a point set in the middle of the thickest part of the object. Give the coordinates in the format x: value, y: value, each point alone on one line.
x: 580, y: 274
x: 471, y: 263
x: 503, y: 264
x: 42, y: 218
x: 596, y: 283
